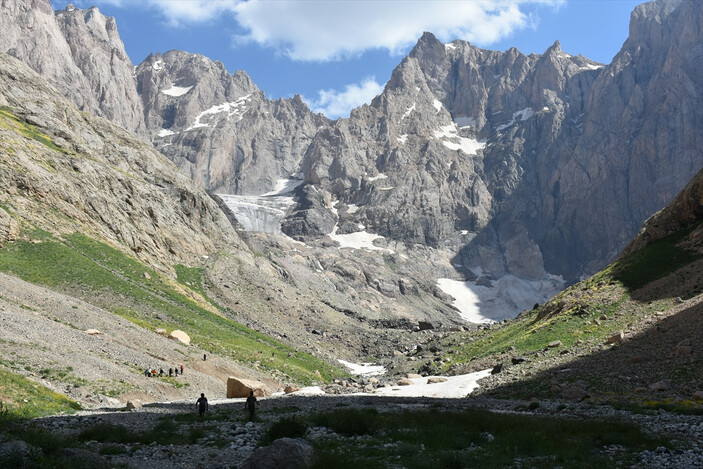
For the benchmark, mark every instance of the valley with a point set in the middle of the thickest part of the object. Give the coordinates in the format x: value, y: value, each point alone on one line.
x: 512, y: 243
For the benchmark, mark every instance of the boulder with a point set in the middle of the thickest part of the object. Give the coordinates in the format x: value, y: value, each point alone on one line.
x: 698, y: 396
x: 373, y: 380
x: 239, y: 387
x: 180, y: 336
x: 93, y: 332
x: 555, y: 344
x: 497, y: 369
x: 404, y: 382
x: 662, y: 385
x: 616, y: 338
x: 131, y: 405
x: 161, y: 331
x: 518, y: 360
x: 414, y: 376
x: 425, y: 325
x: 284, y: 453
x: 289, y: 389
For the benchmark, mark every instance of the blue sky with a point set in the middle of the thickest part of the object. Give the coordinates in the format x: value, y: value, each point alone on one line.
x: 339, y: 54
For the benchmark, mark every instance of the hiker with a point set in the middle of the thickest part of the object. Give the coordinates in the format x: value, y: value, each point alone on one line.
x: 161, y: 372
x: 181, y: 370
x: 204, y: 357
x: 147, y: 373
x: 250, y: 405
x: 202, y: 406
x: 176, y: 371
x: 170, y: 371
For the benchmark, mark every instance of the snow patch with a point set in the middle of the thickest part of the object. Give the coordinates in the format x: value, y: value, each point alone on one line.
x: 454, y: 387
x: 380, y: 176
x: 165, y: 133
x: 437, y: 105
x: 177, y: 90
x: 284, y: 186
x: 352, y: 208
x: 508, y: 296
x: 364, y: 369
x: 592, y: 67
x: 236, y: 108
x: 158, y: 65
x: 468, y: 145
x: 403, y: 138
x: 449, y: 46
x: 409, y: 110
x: 358, y: 240
x: 523, y: 114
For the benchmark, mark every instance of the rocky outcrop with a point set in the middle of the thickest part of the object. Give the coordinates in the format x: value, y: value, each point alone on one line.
x: 220, y: 128
x: 77, y: 51
x: 70, y: 171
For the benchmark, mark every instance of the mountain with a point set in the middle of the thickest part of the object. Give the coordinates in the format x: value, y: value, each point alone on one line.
x: 519, y: 174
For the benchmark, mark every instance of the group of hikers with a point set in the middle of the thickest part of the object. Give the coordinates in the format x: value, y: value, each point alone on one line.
x: 249, y: 404
x: 153, y: 373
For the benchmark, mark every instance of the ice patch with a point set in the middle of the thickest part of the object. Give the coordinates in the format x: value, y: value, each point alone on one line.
x: 259, y: 213
x: 437, y: 105
x: 236, y: 108
x: 351, y: 208
x: 409, y: 110
x: 284, y: 186
x: 524, y: 114
x: 454, y: 387
x: 592, y: 67
x: 465, y: 122
x: 358, y: 240
x: 158, y: 65
x: 508, y: 296
x: 449, y: 46
x: 177, y: 90
x: 468, y: 145
x: 403, y: 138
x: 364, y: 369
x: 386, y: 188
x: 165, y: 133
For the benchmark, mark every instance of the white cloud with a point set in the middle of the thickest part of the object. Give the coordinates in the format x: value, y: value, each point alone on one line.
x: 310, y: 30
x: 333, y: 103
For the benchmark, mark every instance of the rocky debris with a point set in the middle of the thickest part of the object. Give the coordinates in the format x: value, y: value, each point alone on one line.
x: 662, y: 385
x: 180, y: 336
x: 575, y: 391
x: 239, y: 387
x: 284, y: 453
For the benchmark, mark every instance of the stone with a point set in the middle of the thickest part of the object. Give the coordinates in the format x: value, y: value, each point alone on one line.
x: 575, y: 391
x: 93, y: 332
x: 133, y: 404
x: 425, y: 325
x: 180, y: 336
x: 373, y: 380
x: 284, y: 453
x: 404, y: 382
x: 698, y: 396
x: 436, y: 379
x: 662, y: 385
x: 413, y: 376
x: 518, y: 360
x: 555, y: 344
x: 289, y: 389
x: 397, y: 353
x: 147, y: 276
x: 161, y: 331
x: 239, y: 387
x: 497, y: 369
x: 616, y: 338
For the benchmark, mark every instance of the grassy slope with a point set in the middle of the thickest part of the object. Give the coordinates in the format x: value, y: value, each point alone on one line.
x: 107, y: 278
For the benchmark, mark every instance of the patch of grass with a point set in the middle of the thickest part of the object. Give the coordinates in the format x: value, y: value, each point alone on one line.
x: 287, y: 427
x: 479, y: 438
x: 349, y: 422
x: 9, y: 119
x: 108, y: 278
x: 655, y: 261
x: 23, y: 398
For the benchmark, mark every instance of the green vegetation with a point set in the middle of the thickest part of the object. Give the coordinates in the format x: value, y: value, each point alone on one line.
x: 9, y: 120
x: 23, y: 398
x: 657, y: 260
x: 470, y: 438
x: 106, y: 277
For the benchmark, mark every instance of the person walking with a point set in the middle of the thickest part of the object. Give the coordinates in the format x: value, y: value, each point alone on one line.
x: 250, y: 405
x: 202, y: 405
x: 181, y: 370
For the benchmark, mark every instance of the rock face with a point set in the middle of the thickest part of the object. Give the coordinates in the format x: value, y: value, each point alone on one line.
x: 194, y: 108
x: 77, y: 51
x: 526, y: 169
x: 239, y: 387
